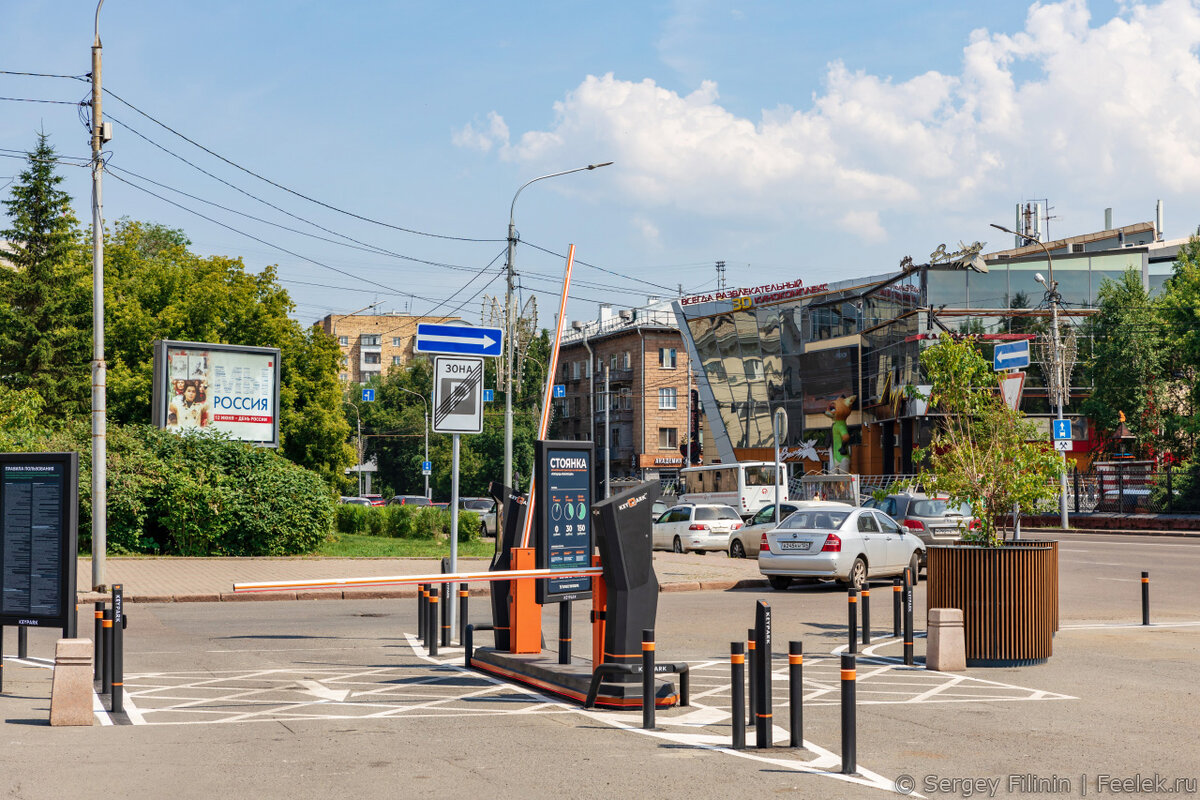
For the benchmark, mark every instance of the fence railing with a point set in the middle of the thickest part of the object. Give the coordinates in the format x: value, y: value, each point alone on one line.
x: 1125, y: 489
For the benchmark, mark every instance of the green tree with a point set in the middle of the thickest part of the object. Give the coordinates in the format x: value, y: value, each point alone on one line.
x: 1128, y: 357
x: 45, y: 298
x: 1179, y: 394
x: 20, y: 417
x: 981, y: 452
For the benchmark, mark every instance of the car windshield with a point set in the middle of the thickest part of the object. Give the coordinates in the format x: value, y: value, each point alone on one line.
x: 716, y: 512
x: 939, y: 508
x: 815, y: 519
x: 477, y: 505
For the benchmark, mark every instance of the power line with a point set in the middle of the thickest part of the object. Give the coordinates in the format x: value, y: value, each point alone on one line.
x: 42, y: 75
x: 596, y: 266
x: 34, y: 100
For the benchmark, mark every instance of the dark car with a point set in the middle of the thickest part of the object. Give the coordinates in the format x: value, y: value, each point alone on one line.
x: 355, y: 501
x: 409, y: 500
x: 376, y: 499
x: 932, y: 518
x: 485, y: 507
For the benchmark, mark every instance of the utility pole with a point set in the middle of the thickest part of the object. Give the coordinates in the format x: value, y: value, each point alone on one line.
x: 607, y: 437
x: 99, y: 420
x: 720, y: 276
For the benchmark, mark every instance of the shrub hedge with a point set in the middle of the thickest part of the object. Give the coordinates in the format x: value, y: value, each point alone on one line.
x: 406, y: 522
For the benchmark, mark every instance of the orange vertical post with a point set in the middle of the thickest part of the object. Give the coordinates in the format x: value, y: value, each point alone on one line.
x: 599, y: 607
x: 525, y: 613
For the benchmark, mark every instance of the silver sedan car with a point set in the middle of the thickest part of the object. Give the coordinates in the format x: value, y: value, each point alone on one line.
x: 746, y: 541
x: 834, y: 541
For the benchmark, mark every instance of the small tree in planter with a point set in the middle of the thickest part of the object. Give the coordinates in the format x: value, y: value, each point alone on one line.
x: 981, y: 451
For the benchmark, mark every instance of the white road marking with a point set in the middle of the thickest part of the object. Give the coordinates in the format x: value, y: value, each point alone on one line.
x: 319, y: 690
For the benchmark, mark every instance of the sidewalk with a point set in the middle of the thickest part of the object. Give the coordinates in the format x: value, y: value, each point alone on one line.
x: 190, y: 580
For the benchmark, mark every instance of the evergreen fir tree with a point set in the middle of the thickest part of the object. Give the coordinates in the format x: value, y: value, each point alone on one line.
x: 45, y: 288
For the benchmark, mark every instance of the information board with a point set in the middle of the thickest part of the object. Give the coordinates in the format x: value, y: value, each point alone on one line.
x: 564, y: 520
x: 39, y: 519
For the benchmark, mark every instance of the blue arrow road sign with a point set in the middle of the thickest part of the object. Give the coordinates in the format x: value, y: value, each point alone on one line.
x: 1062, y: 428
x: 1011, y: 355
x: 459, y: 340
x: 560, y: 390
x: 488, y: 395
x: 368, y: 396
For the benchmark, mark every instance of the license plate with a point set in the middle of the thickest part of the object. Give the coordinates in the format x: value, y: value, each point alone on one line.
x: 794, y: 546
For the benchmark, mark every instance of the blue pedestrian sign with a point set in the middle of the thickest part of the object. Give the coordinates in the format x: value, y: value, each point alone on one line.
x: 1011, y: 355
x: 1062, y: 428
x: 560, y: 390
x: 458, y: 340
x: 368, y: 396
x: 426, y: 467
x: 488, y: 395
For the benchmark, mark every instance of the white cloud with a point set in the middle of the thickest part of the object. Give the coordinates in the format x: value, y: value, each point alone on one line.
x: 1103, y: 102
x: 495, y: 134
x: 646, y: 229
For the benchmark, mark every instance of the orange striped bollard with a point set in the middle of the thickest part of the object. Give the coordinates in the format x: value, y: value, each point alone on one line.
x: 852, y: 619
x: 737, y: 691
x: 648, y: 679
x: 1145, y: 598
x: 796, y: 691
x: 849, y: 743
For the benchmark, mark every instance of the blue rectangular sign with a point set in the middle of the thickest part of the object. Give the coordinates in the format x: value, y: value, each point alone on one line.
x: 426, y: 467
x: 488, y: 395
x: 459, y: 340
x: 560, y: 390
x: 1011, y: 355
x: 1062, y: 428
x: 368, y: 396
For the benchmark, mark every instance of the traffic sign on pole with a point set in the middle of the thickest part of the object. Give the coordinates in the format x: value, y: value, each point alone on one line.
x: 368, y: 396
x: 457, y: 394
x: 426, y: 467
x: 488, y: 395
x: 458, y: 340
x: 1063, y: 445
x: 560, y: 390
x: 1011, y: 355
x: 1062, y: 428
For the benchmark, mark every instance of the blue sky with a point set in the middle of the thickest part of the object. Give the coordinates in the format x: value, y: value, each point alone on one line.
x: 788, y: 139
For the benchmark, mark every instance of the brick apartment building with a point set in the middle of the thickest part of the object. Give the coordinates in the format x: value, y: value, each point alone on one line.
x: 374, y: 343
x: 642, y: 352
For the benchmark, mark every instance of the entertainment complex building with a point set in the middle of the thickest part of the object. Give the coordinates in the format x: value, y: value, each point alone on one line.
x: 847, y: 350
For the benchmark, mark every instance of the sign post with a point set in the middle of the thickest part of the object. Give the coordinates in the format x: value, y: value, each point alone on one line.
x: 781, y: 431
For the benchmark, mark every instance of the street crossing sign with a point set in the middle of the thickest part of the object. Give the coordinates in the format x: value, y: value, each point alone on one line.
x: 458, y: 340
x: 1061, y: 428
x: 1011, y: 355
x: 457, y: 394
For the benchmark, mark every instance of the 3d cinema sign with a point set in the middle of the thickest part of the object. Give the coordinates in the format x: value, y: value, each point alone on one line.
x: 767, y: 293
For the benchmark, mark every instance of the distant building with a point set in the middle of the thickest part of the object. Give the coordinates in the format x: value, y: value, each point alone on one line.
x: 374, y: 343
x: 649, y: 395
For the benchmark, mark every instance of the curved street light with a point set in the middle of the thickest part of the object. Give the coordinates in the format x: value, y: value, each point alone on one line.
x: 508, y: 316
x: 1055, y: 358
x: 426, y: 402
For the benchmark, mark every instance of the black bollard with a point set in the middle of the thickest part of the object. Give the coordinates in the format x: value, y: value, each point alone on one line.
x: 852, y: 620
x: 752, y: 676
x: 448, y: 593
x: 117, y: 702
x: 97, y: 661
x: 763, y: 726
x: 564, y: 632
x: 896, y: 592
x: 648, y: 679
x: 1, y: 658
x: 796, y: 691
x: 1145, y: 598
x: 908, y: 620
x: 866, y: 615
x: 849, y: 744
x: 468, y: 643
x: 737, y: 691
x: 464, y: 595
x: 433, y: 620
x: 422, y: 613
x: 106, y: 651
x: 22, y: 642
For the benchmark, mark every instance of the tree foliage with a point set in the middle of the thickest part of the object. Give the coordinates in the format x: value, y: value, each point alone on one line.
x: 45, y: 292
x: 981, y: 452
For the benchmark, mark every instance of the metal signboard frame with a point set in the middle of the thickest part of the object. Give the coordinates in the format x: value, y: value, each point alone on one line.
x: 458, y: 394
x: 39, y: 539
x: 565, y: 539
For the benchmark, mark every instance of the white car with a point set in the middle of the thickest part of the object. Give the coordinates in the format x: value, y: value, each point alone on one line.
x: 833, y: 541
x: 700, y: 527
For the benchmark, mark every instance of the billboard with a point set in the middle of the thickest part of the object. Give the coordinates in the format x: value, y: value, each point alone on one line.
x: 218, y: 387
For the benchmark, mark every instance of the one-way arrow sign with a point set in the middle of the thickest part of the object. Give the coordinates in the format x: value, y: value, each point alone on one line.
x: 1011, y: 355
x: 459, y: 340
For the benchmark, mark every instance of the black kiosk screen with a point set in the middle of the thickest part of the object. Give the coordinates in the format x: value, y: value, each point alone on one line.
x: 566, y: 519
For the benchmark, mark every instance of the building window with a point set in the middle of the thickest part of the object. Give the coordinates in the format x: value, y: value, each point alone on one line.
x: 345, y: 360
x: 625, y: 361
x: 612, y: 361
x: 668, y: 438
x: 397, y: 361
x: 368, y: 340
x: 396, y: 341
x: 616, y: 438
x: 344, y: 377
x: 627, y: 399
x: 666, y: 398
x: 370, y: 358
x: 574, y: 370
x: 666, y: 357
x: 344, y: 341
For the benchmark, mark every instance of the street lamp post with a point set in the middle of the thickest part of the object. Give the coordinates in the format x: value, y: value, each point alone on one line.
x: 426, y: 402
x: 509, y: 324
x: 99, y: 368
x: 1058, y: 381
x: 358, y: 445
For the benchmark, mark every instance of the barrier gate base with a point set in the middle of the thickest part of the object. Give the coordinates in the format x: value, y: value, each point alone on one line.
x: 571, y: 681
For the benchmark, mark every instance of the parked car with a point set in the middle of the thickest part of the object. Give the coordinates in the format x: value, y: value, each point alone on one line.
x: 355, y: 501
x: 376, y: 499
x: 409, y: 500
x: 745, y: 541
x: 658, y: 507
x: 700, y: 527
x: 833, y: 541
x: 933, y: 519
x: 485, y: 507
x: 1129, y: 499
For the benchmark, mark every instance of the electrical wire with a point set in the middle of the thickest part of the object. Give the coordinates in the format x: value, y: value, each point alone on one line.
x: 43, y: 75
x: 35, y: 100
x: 602, y: 269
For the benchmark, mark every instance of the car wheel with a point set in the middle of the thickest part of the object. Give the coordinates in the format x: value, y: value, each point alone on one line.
x: 914, y: 566
x: 736, y: 550
x: 677, y: 546
x: 483, y: 530
x: 858, y: 573
x: 779, y: 582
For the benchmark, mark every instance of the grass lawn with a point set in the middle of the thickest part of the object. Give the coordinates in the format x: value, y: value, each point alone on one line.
x: 357, y: 545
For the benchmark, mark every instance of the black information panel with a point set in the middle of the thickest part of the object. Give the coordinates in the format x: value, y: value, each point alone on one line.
x: 564, y: 518
x: 39, y: 501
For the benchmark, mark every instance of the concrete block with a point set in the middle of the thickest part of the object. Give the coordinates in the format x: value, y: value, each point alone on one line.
x: 945, y: 647
x: 71, y: 690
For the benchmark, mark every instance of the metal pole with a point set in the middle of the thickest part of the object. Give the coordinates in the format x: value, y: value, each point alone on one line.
x: 99, y: 369
x: 453, y: 527
x: 687, y: 461
x: 607, y: 436
x: 358, y: 418
x: 428, y: 496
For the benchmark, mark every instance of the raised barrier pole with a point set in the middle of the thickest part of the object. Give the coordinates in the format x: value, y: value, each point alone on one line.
x: 1145, y: 598
x: 852, y: 620
x: 849, y: 739
x: 796, y: 692
x: 648, y: 679
x: 737, y: 692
